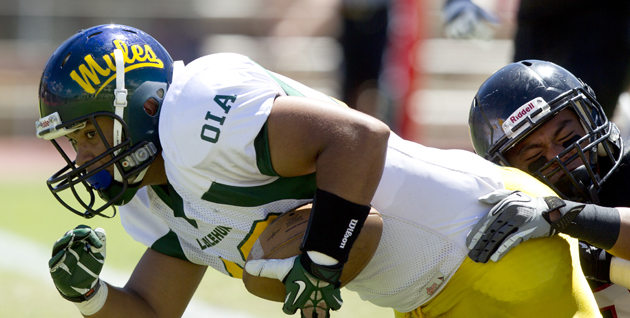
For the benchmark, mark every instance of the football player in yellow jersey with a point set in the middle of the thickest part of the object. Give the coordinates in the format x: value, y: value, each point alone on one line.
x: 511, y: 287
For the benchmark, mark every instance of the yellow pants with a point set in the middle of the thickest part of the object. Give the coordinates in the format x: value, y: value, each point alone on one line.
x: 538, y: 278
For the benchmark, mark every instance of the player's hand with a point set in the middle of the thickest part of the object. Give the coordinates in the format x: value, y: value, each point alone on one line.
x: 310, y: 287
x: 465, y: 20
x: 516, y: 217
x: 77, y: 260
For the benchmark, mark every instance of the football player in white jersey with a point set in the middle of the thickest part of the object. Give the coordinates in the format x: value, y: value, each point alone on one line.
x: 538, y: 117
x: 199, y: 158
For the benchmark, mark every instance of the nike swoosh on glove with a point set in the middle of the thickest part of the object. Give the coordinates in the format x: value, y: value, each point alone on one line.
x: 312, y: 288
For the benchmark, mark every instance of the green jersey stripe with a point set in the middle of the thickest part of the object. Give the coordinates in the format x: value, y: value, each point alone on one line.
x: 263, y: 156
x: 169, y: 244
x: 302, y: 187
x: 169, y: 196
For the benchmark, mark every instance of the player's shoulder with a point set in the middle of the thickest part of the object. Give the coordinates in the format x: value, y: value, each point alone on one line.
x: 515, y: 179
x: 220, y: 60
x: 223, y: 65
x: 218, y: 74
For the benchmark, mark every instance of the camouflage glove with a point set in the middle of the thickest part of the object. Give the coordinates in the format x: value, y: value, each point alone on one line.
x: 310, y: 287
x: 516, y: 217
x: 77, y: 260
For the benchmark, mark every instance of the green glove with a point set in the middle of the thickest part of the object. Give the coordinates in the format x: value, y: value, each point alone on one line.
x: 77, y: 260
x: 311, y: 287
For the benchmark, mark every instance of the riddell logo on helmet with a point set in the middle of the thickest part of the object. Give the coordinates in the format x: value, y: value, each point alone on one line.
x: 45, y: 123
x: 92, y: 73
x: 522, y: 112
x: 536, y: 106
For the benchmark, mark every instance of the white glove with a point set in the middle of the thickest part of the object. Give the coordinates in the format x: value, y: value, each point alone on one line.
x: 270, y: 268
x: 465, y: 20
x: 516, y: 217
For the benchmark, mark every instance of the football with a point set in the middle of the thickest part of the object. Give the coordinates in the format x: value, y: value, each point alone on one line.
x: 282, y: 239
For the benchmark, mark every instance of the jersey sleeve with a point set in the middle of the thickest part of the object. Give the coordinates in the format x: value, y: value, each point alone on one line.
x: 211, y: 116
x: 146, y: 227
x: 212, y: 120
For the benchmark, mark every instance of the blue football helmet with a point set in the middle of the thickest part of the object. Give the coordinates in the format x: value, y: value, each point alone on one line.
x: 84, y: 80
x: 519, y: 98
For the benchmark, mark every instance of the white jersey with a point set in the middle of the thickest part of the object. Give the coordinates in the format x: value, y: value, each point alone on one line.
x: 222, y: 188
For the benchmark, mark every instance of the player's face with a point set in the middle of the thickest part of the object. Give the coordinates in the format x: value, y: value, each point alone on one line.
x: 546, y: 142
x: 88, y: 145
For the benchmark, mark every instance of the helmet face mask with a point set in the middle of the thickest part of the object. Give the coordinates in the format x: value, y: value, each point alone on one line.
x: 522, y: 97
x: 95, y: 175
x: 81, y: 85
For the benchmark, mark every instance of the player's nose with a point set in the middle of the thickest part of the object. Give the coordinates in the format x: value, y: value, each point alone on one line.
x: 556, y: 150
x: 574, y: 163
x: 84, y: 155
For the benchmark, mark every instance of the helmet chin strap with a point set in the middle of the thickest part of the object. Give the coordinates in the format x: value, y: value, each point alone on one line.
x: 120, y: 102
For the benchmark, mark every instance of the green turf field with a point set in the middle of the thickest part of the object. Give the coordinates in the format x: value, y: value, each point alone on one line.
x: 32, y: 220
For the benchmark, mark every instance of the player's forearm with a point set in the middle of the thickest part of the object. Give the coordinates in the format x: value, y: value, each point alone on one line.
x: 124, y: 303
x: 153, y: 290
x: 621, y: 248
x: 620, y: 272
x: 603, y: 227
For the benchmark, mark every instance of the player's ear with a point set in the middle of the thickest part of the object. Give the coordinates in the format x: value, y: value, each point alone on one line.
x: 151, y: 106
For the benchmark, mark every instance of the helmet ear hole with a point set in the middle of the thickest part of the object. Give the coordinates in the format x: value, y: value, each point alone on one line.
x: 151, y: 106
x: 65, y: 59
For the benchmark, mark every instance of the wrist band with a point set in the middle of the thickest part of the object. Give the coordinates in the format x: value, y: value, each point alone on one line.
x: 591, y: 223
x: 334, y: 225
x: 95, y: 302
x: 620, y: 272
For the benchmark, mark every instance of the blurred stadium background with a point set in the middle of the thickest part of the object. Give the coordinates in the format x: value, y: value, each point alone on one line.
x: 433, y: 78
x: 446, y: 73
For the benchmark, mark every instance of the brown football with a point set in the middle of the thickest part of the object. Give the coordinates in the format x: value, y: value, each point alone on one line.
x: 282, y: 239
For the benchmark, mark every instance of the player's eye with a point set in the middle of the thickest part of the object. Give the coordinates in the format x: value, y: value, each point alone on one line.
x: 531, y: 156
x: 537, y: 164
x: 90, y: 134
x: 569, y: 139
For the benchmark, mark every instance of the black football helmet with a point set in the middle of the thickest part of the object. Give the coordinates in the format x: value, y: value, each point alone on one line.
x: 104, y: 71
x: 517, y: 99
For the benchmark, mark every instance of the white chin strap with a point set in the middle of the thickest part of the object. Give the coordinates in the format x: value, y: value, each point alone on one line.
x: 120, y: 102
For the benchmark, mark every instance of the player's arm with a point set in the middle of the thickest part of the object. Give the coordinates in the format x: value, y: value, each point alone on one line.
x: 160, y: 286
x: 345, y: 147
x: 346, y: 150
x: 517, y: 217
x: 621, y: 248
